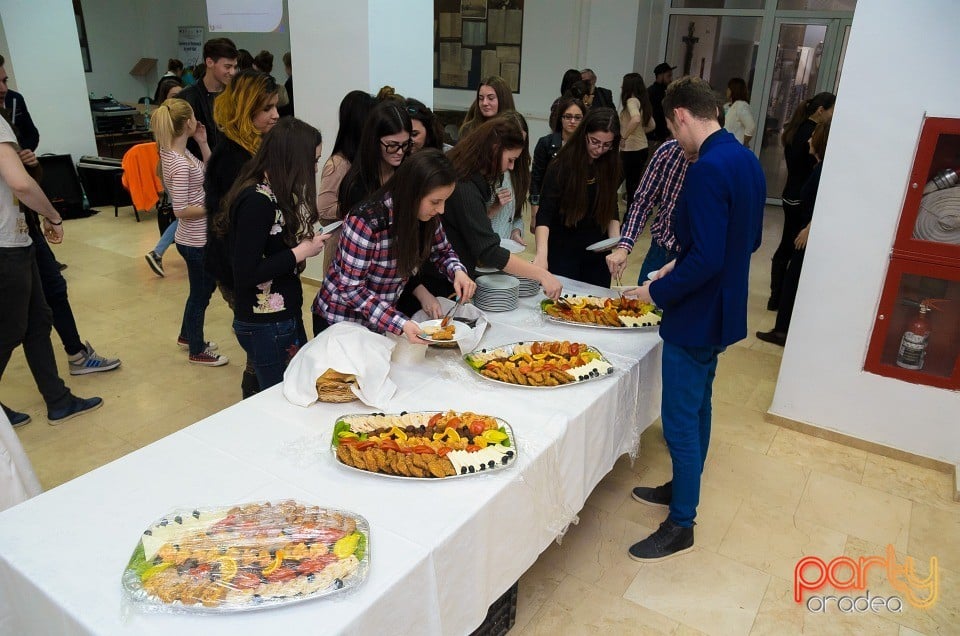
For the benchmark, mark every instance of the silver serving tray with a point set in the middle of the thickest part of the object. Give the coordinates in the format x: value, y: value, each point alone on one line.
x: 508, y: 351
x: 574, y: 323
x: 498, y: 467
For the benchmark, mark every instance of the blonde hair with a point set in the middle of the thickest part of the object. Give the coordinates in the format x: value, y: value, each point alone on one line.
x: 233, y: 110
x: 169, y: 121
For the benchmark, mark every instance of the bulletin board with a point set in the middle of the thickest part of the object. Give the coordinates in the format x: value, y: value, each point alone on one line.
x: 474, y: 39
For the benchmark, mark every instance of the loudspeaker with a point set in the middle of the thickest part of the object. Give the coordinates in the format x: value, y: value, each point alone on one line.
x: 62, y: 186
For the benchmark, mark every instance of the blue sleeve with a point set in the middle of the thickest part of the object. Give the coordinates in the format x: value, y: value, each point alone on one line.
x: 708, y: 209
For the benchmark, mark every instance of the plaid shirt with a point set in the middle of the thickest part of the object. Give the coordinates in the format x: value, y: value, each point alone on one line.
x: 362, y: 284
x: 660, y: 187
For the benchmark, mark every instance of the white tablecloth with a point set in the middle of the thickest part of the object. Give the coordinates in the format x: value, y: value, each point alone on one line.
x: 441, y: 551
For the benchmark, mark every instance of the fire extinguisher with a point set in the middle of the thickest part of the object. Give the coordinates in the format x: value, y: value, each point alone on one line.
x: 913, y: 344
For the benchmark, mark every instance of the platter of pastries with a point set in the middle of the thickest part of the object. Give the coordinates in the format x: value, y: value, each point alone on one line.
x: 246, y: 557
x: 424, y: 444
x: 540, y: 364
x: 602, y: 313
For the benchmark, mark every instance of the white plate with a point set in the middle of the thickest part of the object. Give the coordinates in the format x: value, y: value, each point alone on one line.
x: 652, y: 274
x: 511, y: 246
x: 461, y: 331
x: 497, y: 282
x: 486, y: 270
x: 326, y: 229
x: 604, y: 245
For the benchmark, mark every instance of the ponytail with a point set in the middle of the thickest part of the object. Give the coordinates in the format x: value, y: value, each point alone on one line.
x: 804, y: 111
x: 169, y: 121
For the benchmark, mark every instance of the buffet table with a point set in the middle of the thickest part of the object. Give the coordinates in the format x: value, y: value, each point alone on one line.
x: 440, y: 551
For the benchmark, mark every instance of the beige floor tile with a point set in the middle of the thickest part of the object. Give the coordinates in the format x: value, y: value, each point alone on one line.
x: 935, y: 532
x: 819, y: 454
x: 772, y: 541
x: 779, y: 614
x: 741, y: 426
x: 536, y: 586
x: 736, y: 388
x: 856, y: 510
x: 595, y: 550
x: 918, y: 484
x: 719, y: 595
x: 578, y: 607
x: 754, y: 476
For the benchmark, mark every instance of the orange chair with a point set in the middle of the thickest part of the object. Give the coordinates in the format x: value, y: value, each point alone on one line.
x: 140, y: 177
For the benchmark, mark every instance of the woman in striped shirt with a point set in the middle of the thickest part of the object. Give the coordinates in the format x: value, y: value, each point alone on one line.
x: 173, y: 124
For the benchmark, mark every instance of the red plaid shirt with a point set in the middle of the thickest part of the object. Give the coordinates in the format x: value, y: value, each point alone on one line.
x: 362, y: 284
x: 660, y: 189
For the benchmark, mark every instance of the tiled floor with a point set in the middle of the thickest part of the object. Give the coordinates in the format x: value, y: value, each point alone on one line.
x: 770, y: 495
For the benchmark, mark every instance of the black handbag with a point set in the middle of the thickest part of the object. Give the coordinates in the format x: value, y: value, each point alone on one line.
x: 165, y: 214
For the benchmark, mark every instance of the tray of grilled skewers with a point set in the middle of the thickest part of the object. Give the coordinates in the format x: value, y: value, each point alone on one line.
x: 540, y: 364
x: 424, y: 444
x: 602, y: 313
x: 246, y: 557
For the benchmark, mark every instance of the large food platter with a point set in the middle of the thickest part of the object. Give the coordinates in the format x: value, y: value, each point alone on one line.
x: 602, y: 313
x: 540, y: 364
x: 246, y: 557
x: 423, y: 445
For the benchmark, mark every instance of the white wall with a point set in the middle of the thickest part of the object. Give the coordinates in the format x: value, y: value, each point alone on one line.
x: 52, y: 82
x: 562, y: 34
x: 650, y: 40
x: 407, y: 26
x: 863, y: 185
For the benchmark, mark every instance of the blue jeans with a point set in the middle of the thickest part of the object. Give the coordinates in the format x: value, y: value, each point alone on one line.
x: 270, y: 346
x: 688, y: 374
x: 166, y: 239
x: 202, y: 285
x: 656, y: 258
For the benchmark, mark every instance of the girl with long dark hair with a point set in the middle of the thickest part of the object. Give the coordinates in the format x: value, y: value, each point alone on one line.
x: 387, y: 239
x: 571, y: 111
x: 506, y: 210
x: 384, y: 143
x: 271, y: 212
x: 354, y: 108
x: 480, y: 161
x: 578, y: 204
x: 427, y: 132
x: 636, y: 120
x: 736, y: 111
x: 493, y: 97
x: 795, y: 137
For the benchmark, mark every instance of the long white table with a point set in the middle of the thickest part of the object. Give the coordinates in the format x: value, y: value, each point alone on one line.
x: 441, y: 551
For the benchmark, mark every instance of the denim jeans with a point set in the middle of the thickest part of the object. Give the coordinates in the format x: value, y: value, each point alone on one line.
x: 202, y: 285
x: 55, y: 293
x: 656, y: 258
x: 688, y: 374
x: 270, y: 346
x: 166, y: 239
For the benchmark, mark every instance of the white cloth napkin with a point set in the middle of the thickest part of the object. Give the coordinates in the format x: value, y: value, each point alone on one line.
x: 468, y: 311
x: 346, y: 347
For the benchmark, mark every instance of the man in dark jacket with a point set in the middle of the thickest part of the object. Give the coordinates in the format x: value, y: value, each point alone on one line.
x: 664, y: 75
x: 220, y: 59
x: 601, y: 96
x: 27, y: 134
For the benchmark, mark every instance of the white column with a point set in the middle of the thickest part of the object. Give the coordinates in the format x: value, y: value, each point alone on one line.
x: 45, y: 47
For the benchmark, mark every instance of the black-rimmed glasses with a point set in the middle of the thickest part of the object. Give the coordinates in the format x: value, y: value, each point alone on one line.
x: 393, y: 147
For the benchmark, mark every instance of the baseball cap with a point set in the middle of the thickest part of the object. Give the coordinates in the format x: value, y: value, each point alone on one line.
x: 663, y: 67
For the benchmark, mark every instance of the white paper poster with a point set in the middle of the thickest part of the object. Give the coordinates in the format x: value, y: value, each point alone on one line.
x: 244, y: 16
x: 190, y: 45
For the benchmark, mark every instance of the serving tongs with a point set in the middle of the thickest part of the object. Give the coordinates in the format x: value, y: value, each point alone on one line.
x: 563, y: 302
x: 449, y: 315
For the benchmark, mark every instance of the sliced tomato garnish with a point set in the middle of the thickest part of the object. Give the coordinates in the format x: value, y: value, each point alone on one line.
x: 574, y: 349
x: 443, y: 450
x: 281, y: 574
x: 389, y: 444
x: 423, y: 449
x: 244, y: 580
x: 472, y: 448
x: 406, y: 450
x: 311, y: 566
x: 433, y: 420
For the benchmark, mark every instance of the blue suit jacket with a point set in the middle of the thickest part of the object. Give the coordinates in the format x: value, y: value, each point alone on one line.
x: 718, y: 222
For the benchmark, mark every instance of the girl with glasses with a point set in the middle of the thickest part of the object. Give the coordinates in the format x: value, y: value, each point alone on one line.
x: 572, y: 111
x: 578, y: 203
x: 389, y: 237
x: 384, y: 143
x: 636, y: 120
x: 271, y: 212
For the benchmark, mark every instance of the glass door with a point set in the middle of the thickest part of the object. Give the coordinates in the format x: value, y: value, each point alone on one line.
x: 804, y: 60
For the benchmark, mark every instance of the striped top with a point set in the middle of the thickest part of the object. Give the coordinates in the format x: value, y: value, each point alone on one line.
x: 183, y: 180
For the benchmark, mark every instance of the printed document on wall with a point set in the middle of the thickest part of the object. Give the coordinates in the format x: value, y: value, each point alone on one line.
x: 244, y: 16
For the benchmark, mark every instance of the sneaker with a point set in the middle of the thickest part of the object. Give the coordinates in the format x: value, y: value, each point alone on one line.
x: 659, y: 496
x: 76, y: 406
x: 668, y: 541
x: 778, y: 338
x: 155, y: 261
x: 209, y: 358
x: 209, y: 345
x: 61, y: 266
x: 88, y: 361
x: 16, y: 417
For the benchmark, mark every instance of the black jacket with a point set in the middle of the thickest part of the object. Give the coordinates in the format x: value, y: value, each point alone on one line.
x: 547, y: 148
x: 222, y: 171
x: 602, y: 97
x: 27, y: 134
x: 656, y: 91
x: 201, y: 100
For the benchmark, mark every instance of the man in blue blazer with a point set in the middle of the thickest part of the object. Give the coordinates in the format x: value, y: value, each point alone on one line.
x: 703, y: 294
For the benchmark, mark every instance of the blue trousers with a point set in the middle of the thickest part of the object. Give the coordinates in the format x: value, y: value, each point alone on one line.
x: 656, y: 258
x: 166, y: 239
x: 202, y: 285
x: 270, y: 346
x: 688, y: 374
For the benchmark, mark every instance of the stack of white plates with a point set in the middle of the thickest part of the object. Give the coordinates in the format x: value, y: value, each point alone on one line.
x: 497, y: 292
x: 528, y: 287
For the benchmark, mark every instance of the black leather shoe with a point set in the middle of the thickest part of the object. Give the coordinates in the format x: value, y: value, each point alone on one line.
x: 659, y: 496
x: 76, y: 406
x: 773, y: 337
x: 16, y: 417
x: 668, y: 541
